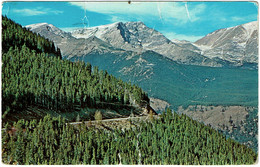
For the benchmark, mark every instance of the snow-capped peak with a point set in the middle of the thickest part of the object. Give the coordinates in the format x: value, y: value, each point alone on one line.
x: 101, y: 27
x: 250, y: 27
x: 97, y: 31
x: 33, y: 26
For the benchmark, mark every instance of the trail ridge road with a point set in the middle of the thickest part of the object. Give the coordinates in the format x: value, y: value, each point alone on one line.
x: 107, y: 120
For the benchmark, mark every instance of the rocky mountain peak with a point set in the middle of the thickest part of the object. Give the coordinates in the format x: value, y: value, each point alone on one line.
x: 100, y: 31
x: 138, y: 24
x: 46, y: 30
x: 47, y: 26
x: 239, y: 43
x: 34, y: 26
x: 246, y: 29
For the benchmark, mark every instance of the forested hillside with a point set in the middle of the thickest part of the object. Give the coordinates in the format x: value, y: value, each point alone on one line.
x: 15, y: 35
x: 173, y: 139
x: 31, y: 77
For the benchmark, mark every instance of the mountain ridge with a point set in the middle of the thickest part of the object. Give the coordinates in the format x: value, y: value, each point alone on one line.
x: 69, y: 45
x: 136, y: 37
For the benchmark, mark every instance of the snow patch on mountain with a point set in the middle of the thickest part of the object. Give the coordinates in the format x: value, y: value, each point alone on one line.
x: 97, y: 31
x: 250, y: 27
x: 34, y: 26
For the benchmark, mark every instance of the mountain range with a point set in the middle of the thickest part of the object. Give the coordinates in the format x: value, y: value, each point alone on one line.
x: 235, y: 46
x: 138, y: 54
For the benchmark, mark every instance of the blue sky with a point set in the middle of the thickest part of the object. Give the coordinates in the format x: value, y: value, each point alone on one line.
x: 176, y: 20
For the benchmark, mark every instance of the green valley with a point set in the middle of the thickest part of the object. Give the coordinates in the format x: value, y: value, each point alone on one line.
x: 181, y: 85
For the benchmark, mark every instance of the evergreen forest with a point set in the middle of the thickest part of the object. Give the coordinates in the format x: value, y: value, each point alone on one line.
x: 172, y: 139
x: 34, y: 74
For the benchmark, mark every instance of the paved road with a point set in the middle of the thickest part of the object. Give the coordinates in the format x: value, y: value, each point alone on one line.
x: 107, y: 120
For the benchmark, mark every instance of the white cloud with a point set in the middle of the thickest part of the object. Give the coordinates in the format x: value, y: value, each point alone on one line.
x: 172, y: 13
x: 36, y: 11
x: 165, y: 10
x: 113, y: 7
x: 244, y: 18
x: 119, y: 19
x: 191, y: 38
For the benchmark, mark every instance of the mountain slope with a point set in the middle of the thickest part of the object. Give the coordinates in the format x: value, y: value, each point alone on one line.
x: 235, y: 44
x: 180, y: 84
x: 36, y: 80
x: 187, y: 45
